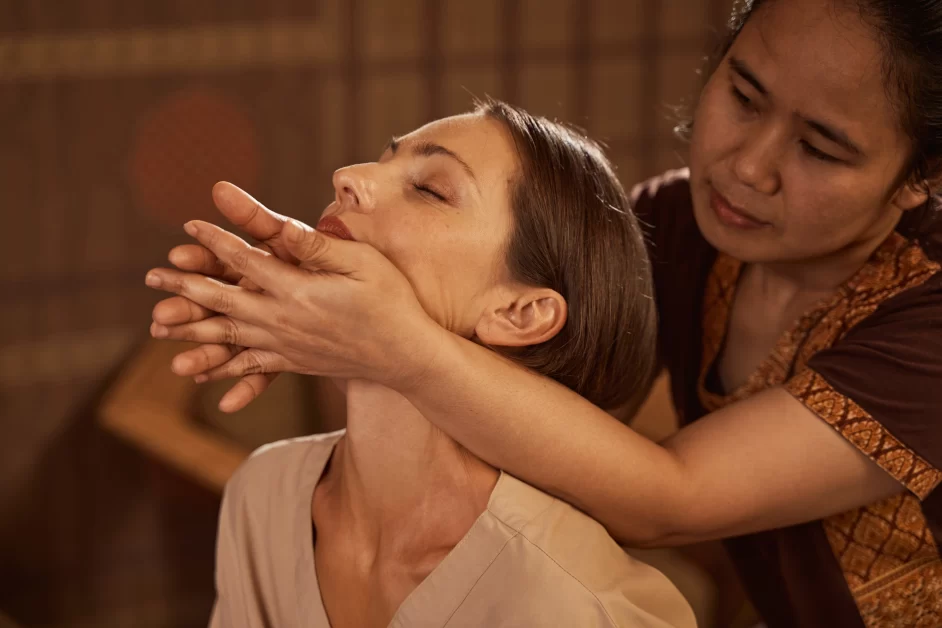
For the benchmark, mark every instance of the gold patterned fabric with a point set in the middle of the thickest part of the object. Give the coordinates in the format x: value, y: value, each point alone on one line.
x: 886, y: 551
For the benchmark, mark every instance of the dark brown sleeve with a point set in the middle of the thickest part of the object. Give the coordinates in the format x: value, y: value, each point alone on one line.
x: 881, y: 386
x: 680, y: 262
x: 663, y: 206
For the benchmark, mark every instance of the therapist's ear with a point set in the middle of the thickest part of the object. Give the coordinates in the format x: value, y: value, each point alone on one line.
x: 529, y: 318
x: 911, y: 195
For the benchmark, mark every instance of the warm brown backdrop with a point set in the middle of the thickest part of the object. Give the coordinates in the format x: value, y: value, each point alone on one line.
x: 115, y: 119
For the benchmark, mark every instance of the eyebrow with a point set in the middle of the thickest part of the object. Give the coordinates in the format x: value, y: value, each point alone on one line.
x: 430, y: 149
x: 740, y: 68
x: 830, y: 133
x: 835, y: 135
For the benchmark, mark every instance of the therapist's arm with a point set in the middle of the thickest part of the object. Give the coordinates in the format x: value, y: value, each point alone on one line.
x: 762, y: 463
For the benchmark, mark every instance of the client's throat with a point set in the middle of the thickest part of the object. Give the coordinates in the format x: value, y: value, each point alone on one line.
x: 396, y: 463
x: 397, y: 496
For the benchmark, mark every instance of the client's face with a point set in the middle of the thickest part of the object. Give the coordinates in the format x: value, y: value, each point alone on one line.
x: 437, y: 204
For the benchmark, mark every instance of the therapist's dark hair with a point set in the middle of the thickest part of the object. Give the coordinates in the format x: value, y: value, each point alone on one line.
x: 574, y: 232
x: 910, y: 32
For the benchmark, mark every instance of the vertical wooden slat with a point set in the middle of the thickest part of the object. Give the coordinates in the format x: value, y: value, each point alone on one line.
x: 581, y: 56
x: 509, y: 54
x: 433, y: 58
x: 351, y: 67
x: 649, y: 88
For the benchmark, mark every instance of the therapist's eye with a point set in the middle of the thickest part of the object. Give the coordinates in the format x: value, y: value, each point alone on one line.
x: 818, y: 154
x: 744, y: 101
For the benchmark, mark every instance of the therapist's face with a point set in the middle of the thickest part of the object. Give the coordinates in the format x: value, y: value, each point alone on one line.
x: 437, y: 204
x: 797, y: 150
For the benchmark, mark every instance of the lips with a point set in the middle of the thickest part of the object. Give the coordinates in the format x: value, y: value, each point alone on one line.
x: 732, y: 215
x: 333, y: 226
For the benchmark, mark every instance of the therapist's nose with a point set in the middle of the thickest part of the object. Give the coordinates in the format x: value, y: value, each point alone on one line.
x: 757, y: 161
x: 355, y: 188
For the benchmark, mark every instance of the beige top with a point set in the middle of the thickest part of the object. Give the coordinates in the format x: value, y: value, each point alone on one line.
x: 528, y: 560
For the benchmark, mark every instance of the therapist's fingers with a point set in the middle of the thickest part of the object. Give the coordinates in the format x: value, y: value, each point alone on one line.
x: 245, y: 391
x: 217, y: 330
x: 179, y: 310
x: 250, y: 362
x: 262, y: 268
x: 195, y: 362
x: 257, y: 370
x: 251, y: 216
x: 203, y: 358
x: 316, y: 250
x: 212, y: 294
x: 194, y: 258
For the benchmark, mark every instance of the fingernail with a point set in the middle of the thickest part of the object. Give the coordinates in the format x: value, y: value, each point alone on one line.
x: 152, y: 280
x: 191, y: 228
x: 159, y: 331
x: 201, y: 379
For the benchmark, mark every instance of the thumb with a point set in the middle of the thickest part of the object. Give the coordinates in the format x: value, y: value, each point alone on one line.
x: 315, y: 250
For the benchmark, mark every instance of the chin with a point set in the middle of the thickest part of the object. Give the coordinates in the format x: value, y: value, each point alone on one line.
x: 710, y: 228
x: 745, y: 246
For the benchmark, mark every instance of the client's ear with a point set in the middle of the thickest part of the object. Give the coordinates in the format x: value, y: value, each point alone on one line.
x: 532, y: 316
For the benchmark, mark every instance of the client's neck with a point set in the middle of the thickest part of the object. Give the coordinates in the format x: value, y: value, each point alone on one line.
x: 401, y: 482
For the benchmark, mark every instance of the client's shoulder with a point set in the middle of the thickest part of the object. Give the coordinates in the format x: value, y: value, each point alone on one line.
x: 264, y: 527
x: 587, y: 560
x: 283, y: 467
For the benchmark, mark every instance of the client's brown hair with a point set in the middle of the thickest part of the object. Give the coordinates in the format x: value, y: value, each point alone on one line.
x: 574, y: 232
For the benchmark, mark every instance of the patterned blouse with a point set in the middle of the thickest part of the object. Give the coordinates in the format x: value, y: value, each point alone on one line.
x: 868, y: 361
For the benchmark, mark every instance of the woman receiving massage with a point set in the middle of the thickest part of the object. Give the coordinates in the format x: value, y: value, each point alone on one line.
x: 391, y: 522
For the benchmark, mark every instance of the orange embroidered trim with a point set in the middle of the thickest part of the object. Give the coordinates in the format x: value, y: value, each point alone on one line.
x: 913, y: 600
x: 865, y: 433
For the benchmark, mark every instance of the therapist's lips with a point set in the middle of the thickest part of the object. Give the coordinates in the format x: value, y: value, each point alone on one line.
x: 333, y: 226
x: 733, y: 216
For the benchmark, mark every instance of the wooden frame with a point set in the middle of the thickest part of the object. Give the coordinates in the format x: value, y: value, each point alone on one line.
x: 151, y: 408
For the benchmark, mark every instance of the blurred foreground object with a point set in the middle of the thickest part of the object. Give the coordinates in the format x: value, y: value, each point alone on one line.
x: 176, y: 423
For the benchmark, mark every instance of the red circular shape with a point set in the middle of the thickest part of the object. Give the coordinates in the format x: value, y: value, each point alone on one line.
x: 190, y: 141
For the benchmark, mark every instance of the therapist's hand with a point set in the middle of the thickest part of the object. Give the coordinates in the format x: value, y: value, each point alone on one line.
x: 264, y: 225
x: 346, y: 311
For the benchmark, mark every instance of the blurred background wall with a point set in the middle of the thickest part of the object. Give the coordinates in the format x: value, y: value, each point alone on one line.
x: 115, y: 120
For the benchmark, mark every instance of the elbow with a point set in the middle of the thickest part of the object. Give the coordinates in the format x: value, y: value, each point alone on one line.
x: 643, y: 537
x: 675, y: 515
x: 659, y: 539
x: 635, y: 527
x: 683, y: 522
x: 656, y: 533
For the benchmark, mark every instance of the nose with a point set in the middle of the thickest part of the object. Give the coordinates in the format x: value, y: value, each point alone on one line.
x: 756, y: 163
x: 354, y: 188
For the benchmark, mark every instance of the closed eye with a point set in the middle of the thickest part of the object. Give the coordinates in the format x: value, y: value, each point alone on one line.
x: 423, y: 189
x: 818, y: 154
x: 744, y: 100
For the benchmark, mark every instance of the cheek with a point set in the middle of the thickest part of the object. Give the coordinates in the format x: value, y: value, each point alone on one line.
x: 413, y: 246
x: 828, y: 205
x: 441, y: 257
x: 713, y: 130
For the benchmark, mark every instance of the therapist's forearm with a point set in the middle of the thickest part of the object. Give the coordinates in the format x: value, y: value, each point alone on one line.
x: 549, y: 436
